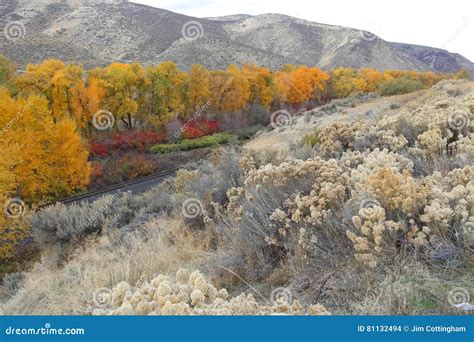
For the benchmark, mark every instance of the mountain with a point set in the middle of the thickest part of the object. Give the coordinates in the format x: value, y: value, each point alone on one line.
x: 101, y: 31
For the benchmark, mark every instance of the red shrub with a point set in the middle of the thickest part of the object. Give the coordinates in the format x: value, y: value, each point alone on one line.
x: 136, y: 167
x: 201, y: 128
x: 121, y: 169
x: 99, y: 149
x: 213, y: 126
x: 138, y: 140
x: 127, y: 140
x: 193, y: 132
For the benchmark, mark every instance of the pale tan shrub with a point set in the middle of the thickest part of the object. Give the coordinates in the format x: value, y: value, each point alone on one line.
x: 380, y: 220
x: 108, y: 262
x: 262, y: 220
x: 192, y: 294
x: 397, y: 190
x: 338, y: 137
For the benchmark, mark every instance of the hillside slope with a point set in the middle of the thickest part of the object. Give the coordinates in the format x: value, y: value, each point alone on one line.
x: 375, y: 218
x: 98, y: 32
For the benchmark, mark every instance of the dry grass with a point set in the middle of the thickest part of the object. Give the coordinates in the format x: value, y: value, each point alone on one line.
x: 281, y: 139
x: 159, y: 247
x: 376, y: 218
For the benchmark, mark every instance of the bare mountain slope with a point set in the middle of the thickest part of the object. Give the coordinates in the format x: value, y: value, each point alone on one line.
x: 97, y: 32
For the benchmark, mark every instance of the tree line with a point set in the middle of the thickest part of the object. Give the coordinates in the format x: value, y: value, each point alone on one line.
x: 47, y: 112
x: 152, y: 96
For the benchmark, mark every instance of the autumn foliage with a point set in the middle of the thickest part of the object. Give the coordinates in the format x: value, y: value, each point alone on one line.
x: 151, y: 97
x: 201, y: 128
x: 47, y: 157
x: 47, y: 116
x: 55, y: 104
x: 42, y: 158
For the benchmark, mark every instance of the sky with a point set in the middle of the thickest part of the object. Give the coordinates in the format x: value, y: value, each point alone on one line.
x: 447, y: 25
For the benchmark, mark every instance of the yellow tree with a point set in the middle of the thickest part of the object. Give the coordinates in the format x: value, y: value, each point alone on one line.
x: 141, y: 91
x: 63, y: 81
x: 68, y: 159
x: 11, y: 230
x: 50, y: 160
x: 319, y: 80
x: 41, y: 160
x: 237, y: 94
x: 279, y: 85
x: 283, y: 83
x: 197, y: 88
x: 260, y: 82
x: 167, y: 90
x: 371, y: 79
x: 342, y: 82
x: 300, y: 88
x: 86, y: 101
x: 300, y: 84
x: 230, y: 90
x: 220, y: 85
x: 38, y: 78
x: 122, y: 84
x: 54, y: 80
x: 429, y: 78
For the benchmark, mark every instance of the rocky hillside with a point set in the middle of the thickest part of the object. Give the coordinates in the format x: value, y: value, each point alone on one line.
x: 96, y: 32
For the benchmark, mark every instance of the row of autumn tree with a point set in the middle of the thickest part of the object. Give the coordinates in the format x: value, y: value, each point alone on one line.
x: 46, y: 113
x: 154, y: 95
x: 47, y: 110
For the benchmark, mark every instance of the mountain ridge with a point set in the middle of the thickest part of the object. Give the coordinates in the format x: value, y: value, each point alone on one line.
x: 97, y: 33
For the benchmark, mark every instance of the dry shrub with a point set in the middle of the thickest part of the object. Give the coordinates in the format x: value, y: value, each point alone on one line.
x: 275, y: 216
x: 414, y: 289
x: 156, y: 248
x: 191, y: 294
x: 382, y: 208
x: 382, y: 201
x: 338, y: 138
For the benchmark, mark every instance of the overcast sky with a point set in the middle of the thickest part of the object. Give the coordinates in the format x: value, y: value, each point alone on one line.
x: 443, y: 24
